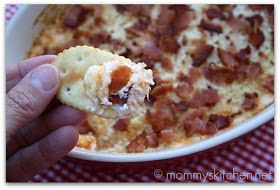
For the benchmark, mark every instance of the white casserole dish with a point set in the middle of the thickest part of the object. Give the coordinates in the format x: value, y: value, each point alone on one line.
x: 18, y: 38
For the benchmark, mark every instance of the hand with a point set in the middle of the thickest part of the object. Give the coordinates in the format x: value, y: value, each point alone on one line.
x: 35, y: 137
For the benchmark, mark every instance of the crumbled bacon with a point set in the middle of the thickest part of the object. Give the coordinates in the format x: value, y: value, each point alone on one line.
x: 205, y: 97
x: 166, y: 17
x: 167, y: 135
x: 253, y: 70
x: 166, y: 63
x: 73, y: 17
x: 180, y: 106
x: 121, y: 124
x: 228, y: 59
x: 141, y: 142
x: 183, y: 20
x: 136, y: 29
x: 165, y: 30
x: 197, y: 125
x: 195, y: 74
x: 220, y: 75
x: 137, y: 144
x: 152, y: 52
x: 259, y: 7
x: 243, y: 54
x: 218, y: 122
x: 119, y: 78
x: 213, y: 13
x: 161, y: 89
x: 81, y: 33
x: 183, y: 89
x: 240, y: 25
x: 256, y: 38
x: 250, y: 101
x: 168, y: 44
x: 210, y: 26
x: 255, y: 21
x: 97, y: 39
x: 135, y: 10
x: 269, y: 84
x: 191, y: 114
x: 201, y: 54
x: 163, y: 115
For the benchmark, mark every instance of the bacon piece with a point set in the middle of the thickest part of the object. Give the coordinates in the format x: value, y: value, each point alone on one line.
x: 205, y: 97
x: 119, y: 78
x: 137, y: 144
x: 73, y: 17
x: 84, y: 128
x: 195, y: 74
x: 197, y: 125
x: 165, y: 30
x: 180, y: 9
x: 213, y: 13
x: 166, y: 17
x: 167, y: 135
x: 210, y: 26
x: 256, y: 38
x: 168, y: 44
x: 227, y: 58
x: 151, y: 139
x: 163, y: 115
x: 220, y: 75
x: 136, y: 29
x: 255, y: 21
x: 135, y: 10
x: 180, y: 106
x: 141, y: 142
x: 183, y: 78
x: 99, y: 38
x: 152, y: 52
x: 201, y: 54
x: 121, y: 124
x: 253, y: 70
x: 269, y: 84
x: 183, y: 20
x: 218, y: 121
x: 166, y: 63
x: 250, y: 101
x: 81, y: 33
x: 191, y: 114
x: 243, y: 54
x: 161, y: 89
x: 260, y: 7
x: 240, y: 25
x: 183, y: 89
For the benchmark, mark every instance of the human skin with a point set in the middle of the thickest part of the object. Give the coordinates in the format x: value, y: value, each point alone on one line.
x: 38, y: 133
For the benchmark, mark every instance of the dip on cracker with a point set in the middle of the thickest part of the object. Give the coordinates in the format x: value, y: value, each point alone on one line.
x: 102, y: 83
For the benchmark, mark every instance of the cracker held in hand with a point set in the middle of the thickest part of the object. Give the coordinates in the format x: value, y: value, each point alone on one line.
x: 102, y: 83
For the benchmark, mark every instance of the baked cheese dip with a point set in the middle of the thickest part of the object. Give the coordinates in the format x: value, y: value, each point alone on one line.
x: 102, y: 83
x: 212, y: 65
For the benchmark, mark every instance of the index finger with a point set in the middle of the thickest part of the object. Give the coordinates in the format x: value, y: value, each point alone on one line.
x: 15, y: 72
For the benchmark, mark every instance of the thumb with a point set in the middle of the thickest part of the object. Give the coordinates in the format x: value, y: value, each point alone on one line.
x: 28, y: 99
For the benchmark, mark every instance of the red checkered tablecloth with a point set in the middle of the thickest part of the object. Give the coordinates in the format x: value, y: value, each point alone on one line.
x: 248, y: 159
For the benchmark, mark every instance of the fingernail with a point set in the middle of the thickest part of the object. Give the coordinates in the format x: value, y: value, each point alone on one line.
x: 45, y: 76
